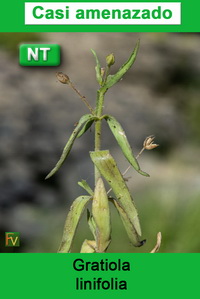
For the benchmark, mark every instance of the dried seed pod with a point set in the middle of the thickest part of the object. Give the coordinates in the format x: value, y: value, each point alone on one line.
x: 148, y: 143
x: 62, y: 78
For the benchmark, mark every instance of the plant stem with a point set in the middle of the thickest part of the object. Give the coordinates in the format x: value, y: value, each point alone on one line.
x: 136, y: 158
x: 106, y: 74
x: 99, y: 109
x: 83, y: 98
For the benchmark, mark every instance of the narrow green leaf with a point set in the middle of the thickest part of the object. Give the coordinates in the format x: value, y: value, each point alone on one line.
x: 97, y: 68
x: 109, y: 170
x: 112, y: 79
x: 130, y: 228
x: 122, y: 140
x: 91, y: 224
x: 70, y: 143
x: 101, y: 216
x: 86, y: 126
x: 86, y: 187
x: 72, y: 221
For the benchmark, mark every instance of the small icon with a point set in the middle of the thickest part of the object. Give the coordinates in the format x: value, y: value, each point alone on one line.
x: 12, y: 239
x: 39, y: 55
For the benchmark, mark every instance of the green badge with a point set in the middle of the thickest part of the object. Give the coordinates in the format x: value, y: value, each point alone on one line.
x: 12, y: 239
x: 39, y: 55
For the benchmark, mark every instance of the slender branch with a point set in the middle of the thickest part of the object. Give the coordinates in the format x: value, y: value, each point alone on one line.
x: 83, y: 98
x: 158, y: 243
x: 64, y: 79
x: 107, y: 71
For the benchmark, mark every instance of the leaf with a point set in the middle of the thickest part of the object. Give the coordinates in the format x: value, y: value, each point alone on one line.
x: 70, y: 143
x: 122, y: 140
x: 113, y: 79
x: 97, y: 68
x: 72, y: 221
x: 130, y: 228
x: 86, y: 187
x: 109, y: 170
x: 88, y: 246
x: 91, y: 224
x: 86, y: 126
x: 101, y: 216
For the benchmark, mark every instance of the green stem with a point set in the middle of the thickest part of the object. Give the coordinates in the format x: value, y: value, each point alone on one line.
x: 83, y: 98
x: 106, y: 74
x: 99, y: 109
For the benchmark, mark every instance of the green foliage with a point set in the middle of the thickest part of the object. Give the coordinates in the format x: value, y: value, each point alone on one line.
x: 79, y: 130
x: 101, y: 217
x: 105, y: 166
x: 122, y: 140
x: 177, y: 218
x: 124, y: 202
x: 72, y: 221
x: 113, y: 79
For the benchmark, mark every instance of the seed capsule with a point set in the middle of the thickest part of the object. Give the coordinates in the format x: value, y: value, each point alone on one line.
x: 62, y: 78
x: 148, y: 143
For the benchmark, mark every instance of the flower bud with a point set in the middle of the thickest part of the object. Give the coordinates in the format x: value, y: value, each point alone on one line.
x: 102, y: 71
x: 148, y: 143
x: 110, y: 59
x: 62, y: 78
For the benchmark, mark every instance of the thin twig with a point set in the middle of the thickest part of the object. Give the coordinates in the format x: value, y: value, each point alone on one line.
x: 64, y: 79
x: 83, y: 98
x: 157, y: 247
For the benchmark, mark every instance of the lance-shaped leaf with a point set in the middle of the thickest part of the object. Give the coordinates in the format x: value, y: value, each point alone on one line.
x: 86, y: 126
x: 112, y: 79
x: 101, y: 216
x: 97, y: 68
x: 72, y: 221
x: 130, y: 228
x: 122, y: 140
x: 109, y: 170
x: 70, y: 143
x: 91, y: 224
x: 86, y: 187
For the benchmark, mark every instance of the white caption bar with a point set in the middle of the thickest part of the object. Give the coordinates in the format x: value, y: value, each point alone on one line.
x: 109, y: 13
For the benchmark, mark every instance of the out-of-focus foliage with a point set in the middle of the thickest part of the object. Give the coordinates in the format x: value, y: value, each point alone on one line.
x: 178, y: 220
x: 11, y: 41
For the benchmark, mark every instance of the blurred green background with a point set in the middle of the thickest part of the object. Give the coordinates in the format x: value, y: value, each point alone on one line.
x: 160, y: 95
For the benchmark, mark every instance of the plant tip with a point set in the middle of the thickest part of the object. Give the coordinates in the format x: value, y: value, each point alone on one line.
x: 62, y: 78
x: 148, y: 143
x: 110, y: 59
